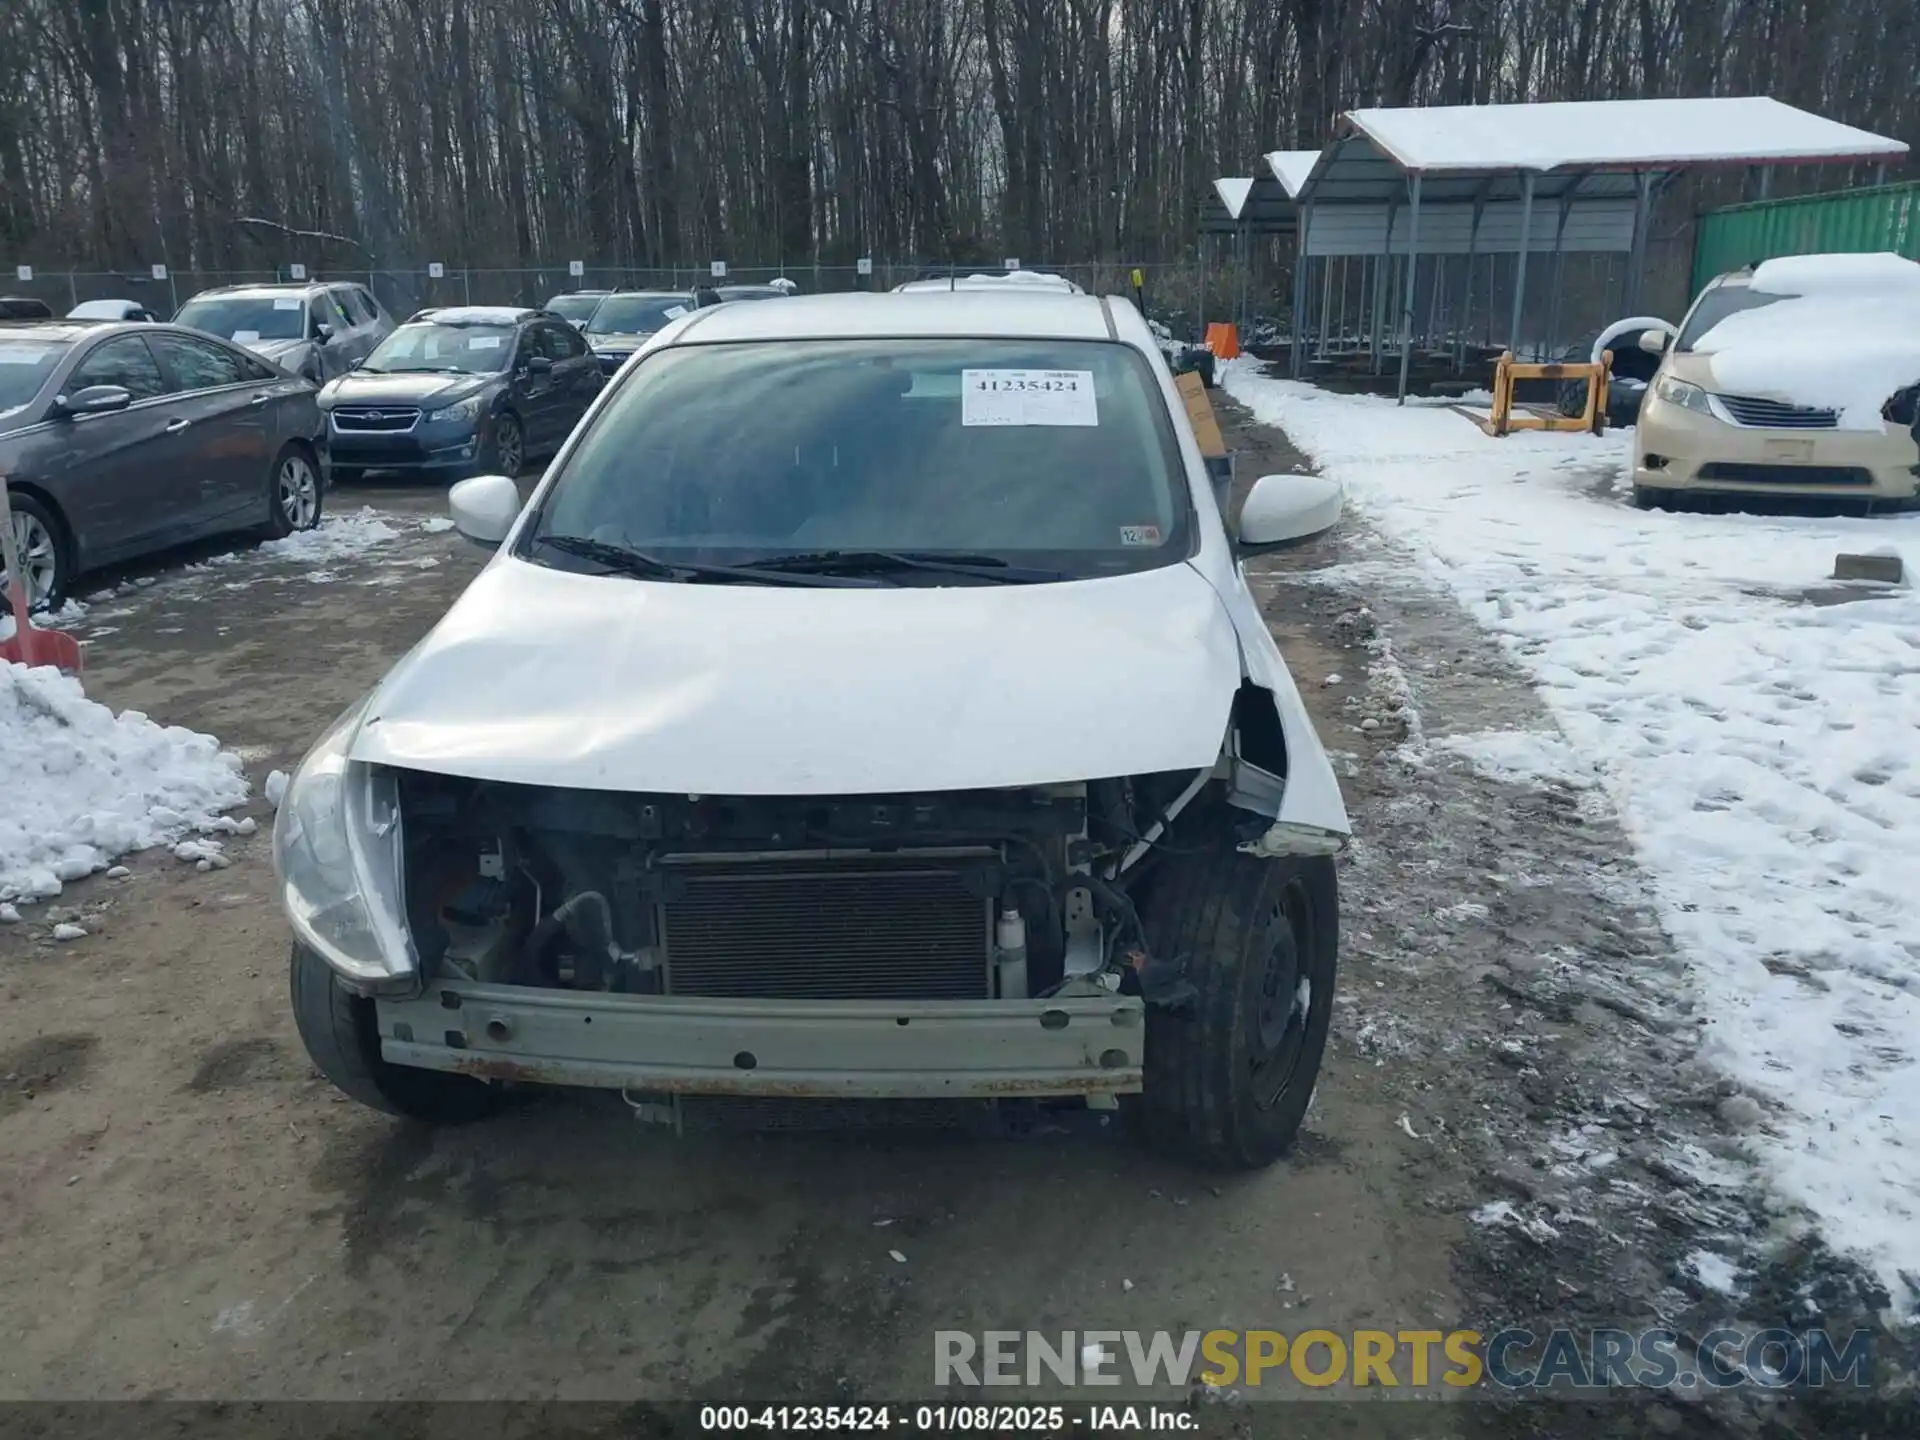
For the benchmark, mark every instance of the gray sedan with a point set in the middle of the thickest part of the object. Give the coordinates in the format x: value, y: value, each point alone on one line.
x: 118, y: 440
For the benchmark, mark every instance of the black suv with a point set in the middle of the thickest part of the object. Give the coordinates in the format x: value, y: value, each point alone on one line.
x: 623, y: 321
x: 459, y: 391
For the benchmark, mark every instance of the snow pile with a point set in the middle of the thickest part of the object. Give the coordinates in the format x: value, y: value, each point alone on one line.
x: 1759, y: 748
x: 336, y: 537
x: 83, y: 785
x: 1844, y: 336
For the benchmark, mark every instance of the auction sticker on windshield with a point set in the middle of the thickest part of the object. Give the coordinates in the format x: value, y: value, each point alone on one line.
x: 1027, y: 397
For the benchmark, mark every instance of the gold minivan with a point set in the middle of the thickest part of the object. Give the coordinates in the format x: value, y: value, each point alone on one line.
x: 1695, y: 437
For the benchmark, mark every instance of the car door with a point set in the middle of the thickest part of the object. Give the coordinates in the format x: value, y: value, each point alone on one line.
x: 353, y: 301
x: 336, y: 350
x: 127, y: 482
x: 231, y: 440
x: 577, y: 375
x: 536, y: 392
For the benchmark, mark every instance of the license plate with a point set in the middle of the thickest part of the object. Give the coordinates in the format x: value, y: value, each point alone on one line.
x: 1788, y: 452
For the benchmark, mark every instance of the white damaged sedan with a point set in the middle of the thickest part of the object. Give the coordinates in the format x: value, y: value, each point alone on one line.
x: 868, y: 709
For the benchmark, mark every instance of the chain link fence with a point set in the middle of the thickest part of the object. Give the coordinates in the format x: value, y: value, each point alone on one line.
x: 1462, y: 310
x: 1172, y: 292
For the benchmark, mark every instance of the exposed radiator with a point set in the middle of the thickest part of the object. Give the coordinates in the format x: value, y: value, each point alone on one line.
x: 866, y: 928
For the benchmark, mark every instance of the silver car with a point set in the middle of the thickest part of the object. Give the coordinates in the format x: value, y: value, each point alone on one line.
x: 316, y: 330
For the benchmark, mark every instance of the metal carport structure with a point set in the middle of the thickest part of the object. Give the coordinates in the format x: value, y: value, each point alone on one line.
x: 1397, y: 186
x: 1243, y: 207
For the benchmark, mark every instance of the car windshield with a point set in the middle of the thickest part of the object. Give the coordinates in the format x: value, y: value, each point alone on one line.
x: 469, y: 349
x: 1036, y: 453
x: 24, y: 368
x: 637, y: 314
x: 1717, y: 304
x: 244, y: 319
x: 574, y: 308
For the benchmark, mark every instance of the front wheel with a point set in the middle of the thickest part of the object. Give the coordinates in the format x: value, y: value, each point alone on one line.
x: 1646, y: 497
x: 509, y: 447
x: 342, y: 1039
x: 1230, y: 1072
x: 294, y: 503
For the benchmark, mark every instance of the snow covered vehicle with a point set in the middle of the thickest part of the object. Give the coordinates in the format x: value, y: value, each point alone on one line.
x: 1795, y: 377
x: 867, y: 706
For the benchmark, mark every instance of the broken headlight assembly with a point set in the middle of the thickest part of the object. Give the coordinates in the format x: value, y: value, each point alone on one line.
x: 336, y: 850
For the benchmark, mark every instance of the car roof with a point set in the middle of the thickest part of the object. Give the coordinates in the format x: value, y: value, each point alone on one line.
x: 649, y: 294
x: 275, y: 287
x: 967, y: 313
x: 475, y: 315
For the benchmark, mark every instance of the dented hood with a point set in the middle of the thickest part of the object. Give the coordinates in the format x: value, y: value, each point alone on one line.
x: 546, y: 677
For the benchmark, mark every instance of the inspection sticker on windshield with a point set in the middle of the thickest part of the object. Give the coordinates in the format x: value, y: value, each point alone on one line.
x: 1027, y: 397
x: 483, y: 342
x: 674, y: 312
x: 287, y: 302
x: 1131, y: 535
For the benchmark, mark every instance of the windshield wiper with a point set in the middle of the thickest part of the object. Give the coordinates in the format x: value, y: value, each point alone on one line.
x: 643, y: 566
x: 892, y: 562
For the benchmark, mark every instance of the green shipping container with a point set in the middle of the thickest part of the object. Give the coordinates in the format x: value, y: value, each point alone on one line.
x: 1885, y: 217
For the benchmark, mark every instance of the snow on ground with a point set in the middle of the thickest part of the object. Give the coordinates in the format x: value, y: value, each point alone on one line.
x: 1760, y: 748
x: 336, y: 537
x: 84, y: 785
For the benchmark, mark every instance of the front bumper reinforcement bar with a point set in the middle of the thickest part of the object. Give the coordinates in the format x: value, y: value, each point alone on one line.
x: 687, y: 1045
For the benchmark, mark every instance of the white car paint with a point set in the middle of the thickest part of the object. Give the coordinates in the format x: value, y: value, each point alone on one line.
x: 547, y: 677
x: 541, y: 676
x: 109, y: 310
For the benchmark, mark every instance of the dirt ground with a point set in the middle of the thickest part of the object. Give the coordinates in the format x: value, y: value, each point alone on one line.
x: 191, y: 1212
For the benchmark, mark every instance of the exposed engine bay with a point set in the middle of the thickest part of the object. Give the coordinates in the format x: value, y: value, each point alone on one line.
x: 988, y: 894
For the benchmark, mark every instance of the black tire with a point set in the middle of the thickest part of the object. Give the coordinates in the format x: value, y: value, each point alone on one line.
x: 295, y: 496
x: 1647, y: 497
x: 46, y: 532
x: 338, y: 1029
x: 509, y: 447
x: 1229, y: 1075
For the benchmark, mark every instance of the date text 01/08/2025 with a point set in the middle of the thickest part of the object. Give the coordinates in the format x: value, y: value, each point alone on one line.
x: 944, y: 1419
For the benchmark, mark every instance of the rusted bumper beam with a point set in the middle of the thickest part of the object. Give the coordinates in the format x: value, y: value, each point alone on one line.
x: 846, y: 1049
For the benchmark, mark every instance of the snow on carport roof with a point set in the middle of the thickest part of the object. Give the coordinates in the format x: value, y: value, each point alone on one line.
x: 1614, y: 135
x: 1252, y: 202
x: 1233, y: 193
x: 1291, y: 168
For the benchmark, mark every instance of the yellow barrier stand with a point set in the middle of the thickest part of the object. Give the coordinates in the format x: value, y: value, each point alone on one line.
x: 1502, y: 419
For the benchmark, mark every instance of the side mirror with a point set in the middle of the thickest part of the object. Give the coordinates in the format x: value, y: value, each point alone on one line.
x: 323, y: 329
x: 539, y: 365
x: 1654, y: 342
x: 92, y: 400
x: 484, y: 508
x: 1285, y: 510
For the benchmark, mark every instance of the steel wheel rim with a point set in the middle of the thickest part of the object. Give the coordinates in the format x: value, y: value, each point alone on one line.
x: 39, y: 561
x: 299, y: 493
x: 1285, y: 1004
x: 509, y: 447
